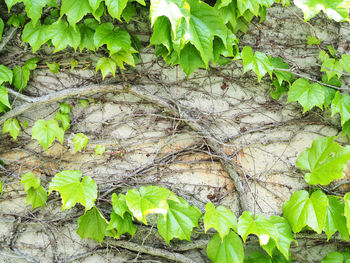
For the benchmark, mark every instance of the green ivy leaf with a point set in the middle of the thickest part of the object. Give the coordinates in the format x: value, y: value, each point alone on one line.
x: 123, y: 225
x: 116, y: 7
x: 74, y: 190
x: 36, y: 197
x: 325, y: 160
x: 115, y: 38
x: 20, y: 77
x: 64, y: 108
x: 345, y: 62
x: 1, y: 28
x: 228, y: 250
x: 95, y: 4
x: 147, y: 200
x: 63, y: 35
x: 5, y: 74
x: 31, y: 64
x: 190, y: 59
x: 258, y: 62
x: 29, y: 180
x: 335, y: 9
x: 312, y: 40
x: 99, y: 149
x: 34, y: 8
x: 252, y: 5
x: 16, y: 20
x: 336, y: 257
x: 273, y: 231
x: 11, y: 3
x: 34, y: 35
x: 73, y: 64
x: 87, y: 31
x: 302, y: 210
x: 124, y: 56
x: 257, y: 257
x: 106, y: 65
x: 80, y: 142
x: 75, y: 10
x: 129, y: 12
x: 331, y: 66
x: 119, y: 205
x: 335, y: 219
x: 347, y: 209
x: 53, y: 67
x: 281, y: 75
x: 4, y: 99
x: 46, y: 132
x: 307, y: 95
x: 92, y: 225
x: 179, y: 221
x: 173, y: 10
x: 279, y: 90
x: 341, y: 104
x: 220, y: 218
x: 64, y: 118
x: 12, y: 126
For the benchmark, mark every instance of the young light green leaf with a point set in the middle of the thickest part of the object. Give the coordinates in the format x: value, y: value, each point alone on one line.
x: 124, y: 57
x: 16, y: 20
x: 64, y: 119
x: 179, y: 221
x: 147, y: 200
x: 95, y: 4
x: 332, y: 67
x: 92, y: 225
x: 53, y: 67
x: 119, y: 205
x: 258, y: 62
x: 20, y: 77
x: 29, y: 180
x: 4, y: 98
x: 252, y: 5
x: 116, y: 7
x: 12, y: 126
x: 341, y: 104
x: 99, y: 149
x: 228, y: 250
x: 123, y: 225
x: 31, y: 64
x: 80, y: 142
x: 106, y: 65
x: 64, y: 108
x: 347, y: 209
x: 173, y: 10
x: 36, y: 197
x: 302, y: 210
x: 84, y: 103
x: 75, y: 10
x: 63, y: 35
x: 115, y: 38
x: 74, y: 190
x: 73, y: 64
x: 307, y: 95
x: 312, y: 40
x: 5, y: 74
x: 345, y: 62
x: 325, y: 160
x: 335, y: 220
x: 46, y: 132
x: 335, y: 9
x: 34, y: 35
x: 220, y: 218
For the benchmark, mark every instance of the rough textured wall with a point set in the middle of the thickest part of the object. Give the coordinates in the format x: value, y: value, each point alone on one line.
x: 216, y: 136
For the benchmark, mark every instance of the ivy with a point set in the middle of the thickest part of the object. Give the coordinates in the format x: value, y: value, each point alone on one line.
x: 45, y: 132
x: 12, y: 127
x: 80, y: 142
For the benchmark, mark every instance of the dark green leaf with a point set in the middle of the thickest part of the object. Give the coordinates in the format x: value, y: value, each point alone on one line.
x: 4, y: 99
x: 335, y: 220
x: 5, y: 74
x: 123, y: 225
x: 63, y: 35
x: 92, y: 225
x: 34, y: 35
x: 75, y: 10
x: 341, y: 104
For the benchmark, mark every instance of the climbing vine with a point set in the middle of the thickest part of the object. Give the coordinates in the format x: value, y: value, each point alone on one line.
x: 192, y: 34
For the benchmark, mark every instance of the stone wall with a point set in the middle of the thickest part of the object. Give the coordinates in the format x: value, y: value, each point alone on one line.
x: 191, y: 135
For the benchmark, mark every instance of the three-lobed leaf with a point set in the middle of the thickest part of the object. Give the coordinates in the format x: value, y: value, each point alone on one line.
x: 29, y: 180
x: 45, y: 132
x: 325, y: 161
x: 74, y: 190
x: 12, y: 126
x: 75, y: 10
x: 303, y: 210
x: 258, y: 62
x: 80, y: 142
x: 63, y: 35
x: 335, y: 220
x: 220, y: 218
x: 34, y: 35
x: 308, y: 95
x: 179, y: 221
x: 36, y: 197
x: 123, y: 225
